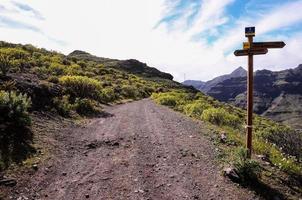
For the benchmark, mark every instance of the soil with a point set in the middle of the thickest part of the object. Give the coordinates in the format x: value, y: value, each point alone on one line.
x: 139, y: 150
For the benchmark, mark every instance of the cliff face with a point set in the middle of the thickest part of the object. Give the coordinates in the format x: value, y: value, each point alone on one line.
x: 277, y: 95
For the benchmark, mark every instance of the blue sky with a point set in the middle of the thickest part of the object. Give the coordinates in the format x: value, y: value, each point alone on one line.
x: 192, y: 37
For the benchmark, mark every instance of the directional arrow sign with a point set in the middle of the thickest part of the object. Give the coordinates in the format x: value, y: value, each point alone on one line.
x: 250, y: 51
x: 278, y: 44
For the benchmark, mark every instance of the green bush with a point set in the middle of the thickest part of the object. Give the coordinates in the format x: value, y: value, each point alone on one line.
x: 62, y: 105
x: 129, y: 91
x: 221, y: 117
x: 247, y: 169
x: 85, y: 107
x: 12, y: 57
x: 167, y: 100
x: 196, y: 108
x: 108, y: 95
x: 56, y: 69
x: 81, y: 86
x: 53, y: 79
x: 14, y: 108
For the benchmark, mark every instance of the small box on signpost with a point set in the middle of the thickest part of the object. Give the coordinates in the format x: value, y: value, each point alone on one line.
x: 246, y: 45
x: 250, y: 31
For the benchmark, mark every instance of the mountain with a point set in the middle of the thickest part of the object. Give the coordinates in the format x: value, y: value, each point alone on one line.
x: 195, y: 84
x: 277, y: 95
x: 206, y: 86
x: 131, y: 66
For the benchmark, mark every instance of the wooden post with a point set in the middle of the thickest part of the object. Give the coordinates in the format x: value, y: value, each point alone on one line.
x: 250, y: 49
x: 250, y: 83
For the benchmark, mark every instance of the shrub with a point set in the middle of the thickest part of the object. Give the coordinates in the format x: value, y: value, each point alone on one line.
x: 5, y: 63
x: 81, y: 86
x: 14, y: 108
x: 247, y: 169
x: 220, y: 117
x: 56, y: 69
x: 129, y: 91
x: 53, y: 79
x: 167, y: 100
x: 12, y: 57
x: 62, y: 105
x: 85, y: 107
x: 108, y: 95
x: 196, y: 108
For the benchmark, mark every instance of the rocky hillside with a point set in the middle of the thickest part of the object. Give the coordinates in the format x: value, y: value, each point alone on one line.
x: 278, y: 95
x: 131, y: 66
x: 206, y: 86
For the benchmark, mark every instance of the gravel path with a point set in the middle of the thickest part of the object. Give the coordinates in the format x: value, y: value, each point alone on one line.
x: 139, y: 151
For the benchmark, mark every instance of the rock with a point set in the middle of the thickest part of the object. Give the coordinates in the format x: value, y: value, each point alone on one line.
x: 223, y: 137
x: 64, y: 174
x: 8, y: 182
x: 263, y: 157
x: 87, y: 196
x: 35, y: 167
x: 231, y: 174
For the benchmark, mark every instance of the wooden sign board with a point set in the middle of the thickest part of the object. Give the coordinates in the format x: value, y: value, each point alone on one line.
x: 246, y: 52
x: 250, y: 31
x: 246, y: 45
x: 278, y: 44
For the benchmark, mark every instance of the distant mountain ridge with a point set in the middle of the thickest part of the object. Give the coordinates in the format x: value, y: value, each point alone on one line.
x: 277, y: 95
x: 206, y: 86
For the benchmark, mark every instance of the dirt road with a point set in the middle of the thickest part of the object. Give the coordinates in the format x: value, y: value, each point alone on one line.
x: 139, y: 151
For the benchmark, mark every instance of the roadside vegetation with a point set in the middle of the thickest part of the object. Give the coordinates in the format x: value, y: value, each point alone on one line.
x: 33, y: 79
x: 275, y: 146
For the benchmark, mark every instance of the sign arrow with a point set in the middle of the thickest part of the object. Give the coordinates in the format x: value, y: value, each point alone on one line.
x: 278, y: 44
x: 246, y: 52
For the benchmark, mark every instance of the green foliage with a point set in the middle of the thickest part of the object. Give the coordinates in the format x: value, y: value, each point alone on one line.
x: 167, y: 100
x: 56, y: 69
x: 81, y: 86
x: 12, y: 57
x: 196, y: 108
x: 85, y: 107
x: 107, y: 95
x: 129, y: 92
x: 53, y: 79
x: 279, y: 143
x: 247, y: 169
x: 62, y: 105
x: 220, y: 117
x: 14, y: 108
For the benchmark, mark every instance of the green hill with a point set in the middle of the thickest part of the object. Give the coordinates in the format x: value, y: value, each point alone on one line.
x: 79, y: 85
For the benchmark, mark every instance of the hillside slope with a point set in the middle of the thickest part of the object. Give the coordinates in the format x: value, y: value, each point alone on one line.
x: 43, y: 93
x: 277, y: 94
x: 206, y: 86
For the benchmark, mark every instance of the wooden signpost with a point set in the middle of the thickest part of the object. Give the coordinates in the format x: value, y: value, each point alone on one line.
x: 250, y: 49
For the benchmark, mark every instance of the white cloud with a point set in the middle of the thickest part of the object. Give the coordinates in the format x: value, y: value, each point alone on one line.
x: 124, y: 29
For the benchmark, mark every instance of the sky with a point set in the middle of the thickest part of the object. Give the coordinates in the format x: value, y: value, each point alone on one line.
x: 192, y: 39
